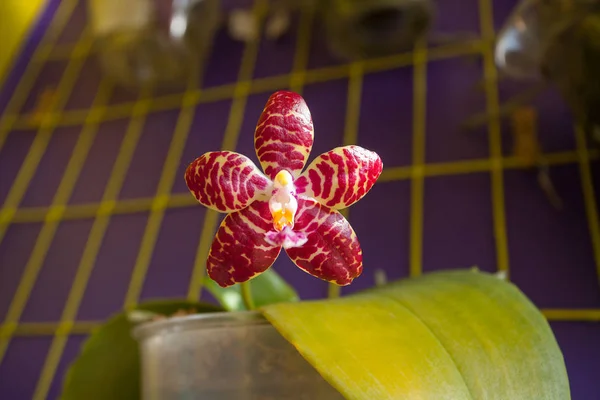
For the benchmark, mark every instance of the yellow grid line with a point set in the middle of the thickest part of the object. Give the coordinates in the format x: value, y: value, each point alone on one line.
x: 65, y: 51
x: 29, y: 329
x: 589, y: 194
x: 182, y: 129
x: 58, y: 52
x: 40, y: 143
x: 353, y: 106
x: 418, y: 176
x: 351, y: 128
x: 491, y: 90
x: 92, y: 246
x: 143, y: 204
x: 302, y: 53
x: 574, y: 315
x: 52, y: 220
x: 163, y: 193
x: 53, y: 328
x: 23, y: 88
x: 21, y: 184
x: 230, y: 139
x: 206, y: 238
x: 261, y: 85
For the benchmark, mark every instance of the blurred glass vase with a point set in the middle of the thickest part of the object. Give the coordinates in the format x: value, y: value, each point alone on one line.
x: 224, y: 356
x: 152, y: 42
x: 530, y: 44
x: 359, y: 29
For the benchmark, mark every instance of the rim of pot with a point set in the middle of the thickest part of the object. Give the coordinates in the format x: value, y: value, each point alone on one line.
x: 198, y: 321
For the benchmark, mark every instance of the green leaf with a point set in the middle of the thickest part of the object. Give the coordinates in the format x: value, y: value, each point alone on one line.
x: 267, y: 288
x: 108, y: 366
x: 445, y: 335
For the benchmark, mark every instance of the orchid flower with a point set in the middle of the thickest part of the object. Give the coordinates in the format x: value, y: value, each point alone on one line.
x: 284, y: 207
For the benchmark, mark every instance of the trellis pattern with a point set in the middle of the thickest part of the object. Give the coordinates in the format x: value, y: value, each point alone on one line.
x: 96, y: 215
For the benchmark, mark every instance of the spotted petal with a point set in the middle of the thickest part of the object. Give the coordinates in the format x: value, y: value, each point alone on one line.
x: 332, y: 251
x: 225, y: 181
x: 340, y: 177
x: 284, y: 134
x: 239, y: 251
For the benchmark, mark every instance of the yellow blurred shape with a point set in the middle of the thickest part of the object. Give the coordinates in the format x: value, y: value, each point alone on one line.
x: 16, y: 20
x: 44, y: 104
x: 526, y: 143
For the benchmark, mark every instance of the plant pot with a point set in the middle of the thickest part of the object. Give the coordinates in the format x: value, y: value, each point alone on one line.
x: 224, y: 356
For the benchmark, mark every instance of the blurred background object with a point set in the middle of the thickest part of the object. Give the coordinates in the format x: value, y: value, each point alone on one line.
x: 354, y: 29
x: 556, y: 42
x: 360, y: 29
x: 150, y: 42
x: 528, y: 34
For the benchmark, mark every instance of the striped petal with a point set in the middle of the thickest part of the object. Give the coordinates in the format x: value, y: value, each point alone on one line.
x: 284, y: 134
x: 226, y: 181
x: 340, y: 177
x: 332, y: 251
x: 239, y: 251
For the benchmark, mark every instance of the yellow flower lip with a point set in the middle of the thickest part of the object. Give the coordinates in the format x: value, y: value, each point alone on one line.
x: 283, y: 205
x: 282, y: 218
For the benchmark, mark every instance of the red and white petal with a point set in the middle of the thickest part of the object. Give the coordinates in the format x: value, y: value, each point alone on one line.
x: 284, y: 134
x: 239, y: 251
x: 340, y: 177
x: 332, y: 251
x: 226, y: 181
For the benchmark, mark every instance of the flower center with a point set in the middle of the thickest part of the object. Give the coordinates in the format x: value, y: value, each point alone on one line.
x: 283, y: 204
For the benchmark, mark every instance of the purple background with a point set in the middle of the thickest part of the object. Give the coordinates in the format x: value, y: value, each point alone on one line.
x: 550, y: 252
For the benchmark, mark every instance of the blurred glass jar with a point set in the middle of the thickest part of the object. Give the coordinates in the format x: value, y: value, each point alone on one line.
x: 359, y: 29
x: 528, y: 44
x: 224, y: 356
x: 152, y: 42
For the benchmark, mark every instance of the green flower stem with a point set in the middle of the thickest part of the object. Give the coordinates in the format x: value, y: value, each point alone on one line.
x: 247, y: 295
x: 333, y: 291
